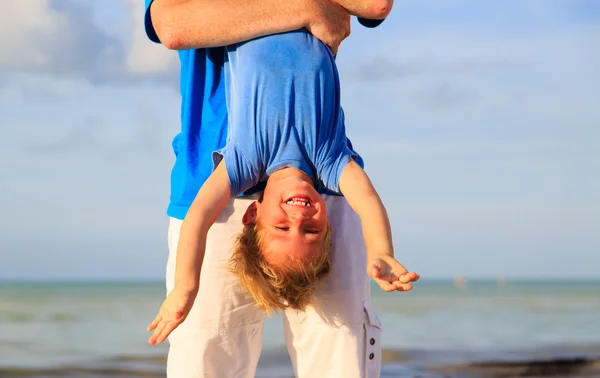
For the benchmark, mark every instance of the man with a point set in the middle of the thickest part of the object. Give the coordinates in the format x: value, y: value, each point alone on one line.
x: 339, y: 336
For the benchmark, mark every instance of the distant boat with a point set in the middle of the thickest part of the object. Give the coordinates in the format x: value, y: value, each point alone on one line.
x: 459, y: 281
x: 501, y: 281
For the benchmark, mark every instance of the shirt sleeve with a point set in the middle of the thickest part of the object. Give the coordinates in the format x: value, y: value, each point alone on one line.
x: 242, y: 174
x: 150, y: 32
x: 369, y: 23
x: 330, y: 170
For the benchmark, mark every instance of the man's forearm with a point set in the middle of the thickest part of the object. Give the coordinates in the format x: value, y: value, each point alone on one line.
x: 190, y: 24
x: 370, y: 9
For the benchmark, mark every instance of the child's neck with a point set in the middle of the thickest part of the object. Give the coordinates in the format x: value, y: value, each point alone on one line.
x: 290, y: 172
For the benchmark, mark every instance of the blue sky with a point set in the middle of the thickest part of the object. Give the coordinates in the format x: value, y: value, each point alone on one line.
x: 479, y: 123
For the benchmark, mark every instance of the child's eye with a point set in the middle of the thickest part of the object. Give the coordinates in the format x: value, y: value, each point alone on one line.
x: 311, y: 231
x: 283, y: 228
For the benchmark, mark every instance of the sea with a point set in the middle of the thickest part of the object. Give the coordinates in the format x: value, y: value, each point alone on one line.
x: 440, y: 329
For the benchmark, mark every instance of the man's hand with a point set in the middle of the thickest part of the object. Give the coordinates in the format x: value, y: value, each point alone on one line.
x: 173, y: 312
x: 390, y: 275
x: 329, y: 22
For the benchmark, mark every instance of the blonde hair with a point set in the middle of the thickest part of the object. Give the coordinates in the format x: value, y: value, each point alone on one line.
x: 277, y: 287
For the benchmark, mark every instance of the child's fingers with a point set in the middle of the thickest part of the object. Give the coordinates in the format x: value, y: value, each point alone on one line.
x: 402, y: 286
x: 167, y: 331
x: 154, y: 323
x: 409, y: 277
x: 157, y: 332
x: 385, y: 286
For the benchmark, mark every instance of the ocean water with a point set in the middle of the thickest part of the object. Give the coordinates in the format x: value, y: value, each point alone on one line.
x: 49, y: 325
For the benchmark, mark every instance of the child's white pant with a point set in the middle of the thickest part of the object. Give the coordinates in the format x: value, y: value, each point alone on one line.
x: 221, y: 338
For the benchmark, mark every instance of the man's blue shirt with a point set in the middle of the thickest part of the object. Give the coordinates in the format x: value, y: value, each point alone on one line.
x: 203, y: 121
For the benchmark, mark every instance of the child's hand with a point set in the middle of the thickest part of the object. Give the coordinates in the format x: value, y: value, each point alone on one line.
x: 172, y: 313
x: 390, y: 275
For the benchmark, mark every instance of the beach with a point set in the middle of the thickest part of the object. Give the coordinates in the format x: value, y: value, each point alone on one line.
x: 484, y: 329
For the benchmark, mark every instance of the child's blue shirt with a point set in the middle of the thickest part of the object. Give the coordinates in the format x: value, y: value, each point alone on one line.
x: 283, y: 101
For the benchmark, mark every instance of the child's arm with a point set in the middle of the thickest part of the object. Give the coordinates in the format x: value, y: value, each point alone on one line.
x: 358, y: 190
x: 204, y: 211
x: 206, y: 208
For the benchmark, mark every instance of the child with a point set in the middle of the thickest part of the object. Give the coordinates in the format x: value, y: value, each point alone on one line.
x: 286, y: 127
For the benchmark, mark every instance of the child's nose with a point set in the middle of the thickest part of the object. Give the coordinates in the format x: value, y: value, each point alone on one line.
x: 300, y: 217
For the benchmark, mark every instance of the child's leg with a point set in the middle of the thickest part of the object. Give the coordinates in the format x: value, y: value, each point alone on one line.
x: 339, y: 336
x: 222, y: 335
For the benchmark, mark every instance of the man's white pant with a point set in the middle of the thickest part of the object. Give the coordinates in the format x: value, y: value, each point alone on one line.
x: 337, y: 337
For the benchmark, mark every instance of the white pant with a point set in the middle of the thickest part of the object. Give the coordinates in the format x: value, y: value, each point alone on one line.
x: 337, y: 337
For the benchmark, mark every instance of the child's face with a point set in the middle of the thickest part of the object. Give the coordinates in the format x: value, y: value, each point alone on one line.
x: 292, y: 215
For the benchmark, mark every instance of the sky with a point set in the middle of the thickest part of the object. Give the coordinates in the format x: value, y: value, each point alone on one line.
x: 479, y: 124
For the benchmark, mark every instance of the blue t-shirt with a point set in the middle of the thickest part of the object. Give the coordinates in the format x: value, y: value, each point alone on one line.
x: 283, y: 102
x: 203, y: 121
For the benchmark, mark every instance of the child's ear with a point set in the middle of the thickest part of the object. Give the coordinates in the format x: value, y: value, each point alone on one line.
x: 250, y: 215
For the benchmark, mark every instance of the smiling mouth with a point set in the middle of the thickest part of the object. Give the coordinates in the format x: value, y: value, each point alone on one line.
x: 299, y: 201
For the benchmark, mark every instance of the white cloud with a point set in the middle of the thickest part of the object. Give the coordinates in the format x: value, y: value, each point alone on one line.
x: 144, y: 56
x: 62, y: 38
x: 22, y: 23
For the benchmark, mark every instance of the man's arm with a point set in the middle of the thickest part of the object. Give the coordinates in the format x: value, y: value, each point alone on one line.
x: 193, y: 24
x: 358, y: 190
x: 204, y: 211
x: 369, y: 9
